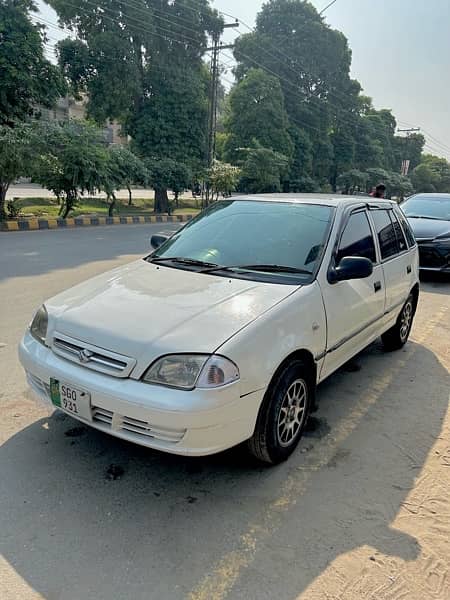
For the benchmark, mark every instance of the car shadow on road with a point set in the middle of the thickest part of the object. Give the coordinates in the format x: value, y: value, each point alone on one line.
x: 89, y: 516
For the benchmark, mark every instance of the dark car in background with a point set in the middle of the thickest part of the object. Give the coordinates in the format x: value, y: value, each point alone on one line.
x: 429, y: 217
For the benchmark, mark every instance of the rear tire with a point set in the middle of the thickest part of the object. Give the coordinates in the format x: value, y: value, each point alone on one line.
x: 283, y: 414
x: 396, y: 337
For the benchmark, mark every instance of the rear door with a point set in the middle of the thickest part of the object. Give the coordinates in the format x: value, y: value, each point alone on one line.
x: 396, y: 257
x: 354, y: 308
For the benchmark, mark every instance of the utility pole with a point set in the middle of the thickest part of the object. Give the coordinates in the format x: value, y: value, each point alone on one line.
x: 212, y: 118
x: 407, y: 161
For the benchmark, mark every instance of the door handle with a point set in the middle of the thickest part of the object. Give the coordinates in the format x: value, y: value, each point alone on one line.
x: 377, y: 286
x: 408, y: 269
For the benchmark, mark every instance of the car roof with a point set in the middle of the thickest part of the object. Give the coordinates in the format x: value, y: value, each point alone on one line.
x: 334, y: 200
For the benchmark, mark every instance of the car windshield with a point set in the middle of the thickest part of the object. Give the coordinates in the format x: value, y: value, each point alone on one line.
x: 429, y: 207
x: 264, y: 240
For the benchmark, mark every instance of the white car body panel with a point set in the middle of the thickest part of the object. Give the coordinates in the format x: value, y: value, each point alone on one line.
x: 144, y: 311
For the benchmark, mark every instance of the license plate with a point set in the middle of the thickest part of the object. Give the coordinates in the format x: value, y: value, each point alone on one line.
x: 70, y: 399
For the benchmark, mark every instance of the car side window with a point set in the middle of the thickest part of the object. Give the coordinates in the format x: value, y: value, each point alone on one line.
x: 386, y: 233
x: 407, y: 229
x: 357, y: 238
x: 401, y: 240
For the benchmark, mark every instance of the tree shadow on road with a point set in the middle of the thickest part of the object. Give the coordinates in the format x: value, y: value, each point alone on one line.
x: 89, y: 516
x: 34, y: 253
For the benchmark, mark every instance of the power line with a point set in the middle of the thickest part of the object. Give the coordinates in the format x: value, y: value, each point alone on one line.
x: 327, y: 7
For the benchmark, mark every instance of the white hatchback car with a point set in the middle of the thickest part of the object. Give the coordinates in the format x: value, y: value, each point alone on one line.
x: 222, y: 334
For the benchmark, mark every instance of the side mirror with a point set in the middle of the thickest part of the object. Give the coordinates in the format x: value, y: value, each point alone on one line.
x: 157, y: 240
x: 351, y: 267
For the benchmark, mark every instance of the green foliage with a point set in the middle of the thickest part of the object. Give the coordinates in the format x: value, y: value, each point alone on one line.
x: 432, y: 175
x: 27, y: 78
x: 263, y: 170
x: 17, y: 150
x: 170, y: 123
x: 352, y: 181
x: 408, y: 148
x: 167, y: 174
x: 13, y: 208
x: 223, y: 178
x: 257, y: 113
x: 152, y: 79
x: 73, y: 159
x: 125, y: 170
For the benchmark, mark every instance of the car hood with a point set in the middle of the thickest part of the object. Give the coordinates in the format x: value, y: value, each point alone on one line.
x: 429, y: 228
x: 145, y: 311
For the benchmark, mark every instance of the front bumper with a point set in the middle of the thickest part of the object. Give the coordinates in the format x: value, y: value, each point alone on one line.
x: 196, y: 423
x: 434, y: 256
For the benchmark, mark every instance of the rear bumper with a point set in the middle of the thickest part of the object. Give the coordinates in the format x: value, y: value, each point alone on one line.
x: 197, y: 423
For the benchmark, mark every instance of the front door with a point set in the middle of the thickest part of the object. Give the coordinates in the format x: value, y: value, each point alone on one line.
x: 354, y: 308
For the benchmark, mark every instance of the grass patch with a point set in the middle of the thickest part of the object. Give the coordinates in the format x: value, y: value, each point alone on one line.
x: 48, y: 207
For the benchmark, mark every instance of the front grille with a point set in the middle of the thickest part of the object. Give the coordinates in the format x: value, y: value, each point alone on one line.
x: 143, y: 428
x: 92, y: 357
x: 434, y: 256
x: 134, y: 428
x: 101, y: 415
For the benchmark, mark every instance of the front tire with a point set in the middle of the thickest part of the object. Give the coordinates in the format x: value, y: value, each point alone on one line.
x: 396, y: 337
x: 283, y: 414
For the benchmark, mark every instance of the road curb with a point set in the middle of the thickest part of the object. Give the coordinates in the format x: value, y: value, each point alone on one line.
x: 35, y: 224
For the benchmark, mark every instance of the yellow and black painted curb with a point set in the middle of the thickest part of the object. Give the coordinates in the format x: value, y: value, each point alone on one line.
x: 37, y: 223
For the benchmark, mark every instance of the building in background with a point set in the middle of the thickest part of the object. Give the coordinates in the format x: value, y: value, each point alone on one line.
x: 68, y: 108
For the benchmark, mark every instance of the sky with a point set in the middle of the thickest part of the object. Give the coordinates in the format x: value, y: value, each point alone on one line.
x: 401, y: 55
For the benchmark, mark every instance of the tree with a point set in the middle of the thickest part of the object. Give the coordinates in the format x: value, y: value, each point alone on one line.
x: 256, y: 112
x: 313, y: 71
x: 223, y: 178
x: 352, y: 181
x: 28, y: 79
x: 129, y: 169
x: 399, y: 186
x: 72, y: 160
x: 440, y: 172
x: 262, y: 170
x: 151, y: 78
x: 17, y: 150
x: 167, y: 174
x: 409, y: 148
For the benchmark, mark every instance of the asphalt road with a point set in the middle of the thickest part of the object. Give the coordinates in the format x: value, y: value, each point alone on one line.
x: 360, y: 511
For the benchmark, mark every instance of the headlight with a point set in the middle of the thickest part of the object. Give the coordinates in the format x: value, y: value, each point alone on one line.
x: 38, y: 327
x: 187, y: 371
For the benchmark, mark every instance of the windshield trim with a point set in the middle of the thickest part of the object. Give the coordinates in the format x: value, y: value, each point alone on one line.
x: 276, y: 278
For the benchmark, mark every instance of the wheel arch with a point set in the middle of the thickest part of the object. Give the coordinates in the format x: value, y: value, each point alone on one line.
x: 307, y: 358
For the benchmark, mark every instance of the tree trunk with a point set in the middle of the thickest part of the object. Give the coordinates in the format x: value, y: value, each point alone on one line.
x: 3, y: 189
x: 161, y: 201
x: 112, y: 202
x: 130, y: 197
x: 69, y: 203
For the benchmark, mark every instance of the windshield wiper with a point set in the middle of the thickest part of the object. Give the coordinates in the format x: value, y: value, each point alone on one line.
x: 425, y: 217
x: 262, y: 268
x: 184, y: 261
